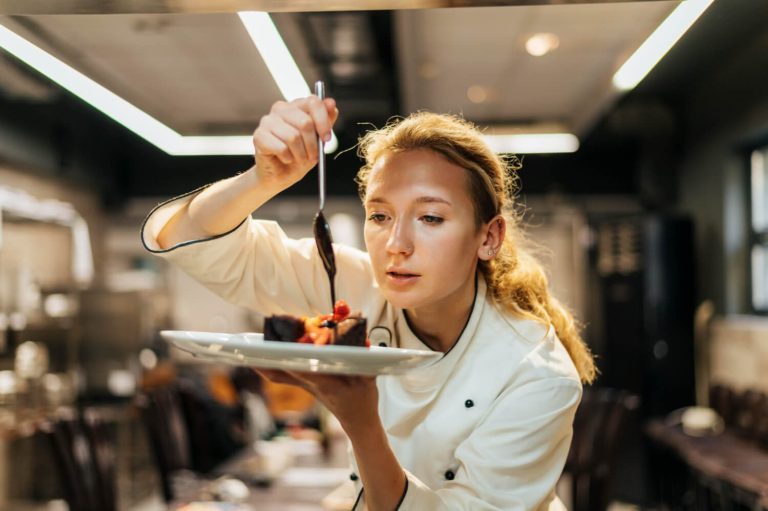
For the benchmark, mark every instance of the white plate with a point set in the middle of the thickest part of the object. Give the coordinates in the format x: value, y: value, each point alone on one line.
x: 250, y: 349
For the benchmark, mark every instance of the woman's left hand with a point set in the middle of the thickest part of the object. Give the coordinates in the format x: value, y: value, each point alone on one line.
x: 354, y: 400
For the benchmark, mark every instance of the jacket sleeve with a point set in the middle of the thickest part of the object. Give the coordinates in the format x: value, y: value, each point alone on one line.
x: 255, y: 265
x: 513, y: 459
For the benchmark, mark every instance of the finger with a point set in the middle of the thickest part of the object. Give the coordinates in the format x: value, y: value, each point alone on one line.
x: 312, y: 381
x: 322, y: 381
x: 266, y: 144
x: 332, y: 108
x: 278, y: 376
x: 318, y: 110
x: 287, y: 134
x: 270, y: 374
x: 300, y: 376
x: 303, y: 122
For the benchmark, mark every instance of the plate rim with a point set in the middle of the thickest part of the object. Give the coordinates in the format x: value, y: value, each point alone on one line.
x: 328, y: 348
x: 305, y: 357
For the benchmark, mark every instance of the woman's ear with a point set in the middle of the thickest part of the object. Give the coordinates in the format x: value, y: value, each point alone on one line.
x: 493, y: 238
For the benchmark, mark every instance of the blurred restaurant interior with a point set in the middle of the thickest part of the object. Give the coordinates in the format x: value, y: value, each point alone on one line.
x: 652, y: 215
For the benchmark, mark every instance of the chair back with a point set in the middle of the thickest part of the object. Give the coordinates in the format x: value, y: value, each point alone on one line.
x: 84, y: 458
x: 200, y: 429
x: 598, y: 432
x: 211, y: 426
x: 750, y: 415
x: 166, y: 428
x: 724, y: 401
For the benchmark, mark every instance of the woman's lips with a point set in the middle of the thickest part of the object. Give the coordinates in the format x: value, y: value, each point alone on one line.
x: 401, y: 279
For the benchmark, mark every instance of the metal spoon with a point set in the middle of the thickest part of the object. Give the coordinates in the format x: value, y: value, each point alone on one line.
x: 323, y: 237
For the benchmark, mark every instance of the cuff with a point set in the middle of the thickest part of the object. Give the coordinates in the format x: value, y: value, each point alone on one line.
x: 405, y: 492
x: 359, y: 504
x: 162, y: 213
x: 417, y: 495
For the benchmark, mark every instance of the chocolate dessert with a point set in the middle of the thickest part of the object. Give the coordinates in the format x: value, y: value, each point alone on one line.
x: 340, y: 328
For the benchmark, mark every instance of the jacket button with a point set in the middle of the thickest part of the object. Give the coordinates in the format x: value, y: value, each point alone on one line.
x: 449, y: 475
x: 353, y: 476
x: 469, y: 403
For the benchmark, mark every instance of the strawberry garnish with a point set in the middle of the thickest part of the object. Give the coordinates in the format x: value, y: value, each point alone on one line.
x: 340, y: 311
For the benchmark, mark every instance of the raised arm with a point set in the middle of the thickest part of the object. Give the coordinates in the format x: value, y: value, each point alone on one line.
x: 285, y: 144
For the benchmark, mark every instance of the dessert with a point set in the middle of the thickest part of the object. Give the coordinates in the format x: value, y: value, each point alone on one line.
x: 341, y: 328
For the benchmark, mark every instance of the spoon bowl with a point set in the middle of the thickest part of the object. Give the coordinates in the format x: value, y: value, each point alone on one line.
x: 324, y: 240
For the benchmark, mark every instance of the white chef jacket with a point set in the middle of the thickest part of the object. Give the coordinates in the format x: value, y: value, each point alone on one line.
x: 486, y: 427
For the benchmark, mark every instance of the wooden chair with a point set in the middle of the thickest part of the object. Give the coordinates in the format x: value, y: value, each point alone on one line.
x: 166, y: 428
x: 724, y: 401
x: 600, y: 420
x: 206, y: 429
x: 751, y: 415
x: 84, y: 458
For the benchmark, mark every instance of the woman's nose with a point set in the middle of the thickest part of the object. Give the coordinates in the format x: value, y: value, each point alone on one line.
x: 399, y: 241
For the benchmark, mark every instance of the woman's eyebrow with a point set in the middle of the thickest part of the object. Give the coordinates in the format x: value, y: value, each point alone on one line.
x: 428, y: 199
x: 421, y: 200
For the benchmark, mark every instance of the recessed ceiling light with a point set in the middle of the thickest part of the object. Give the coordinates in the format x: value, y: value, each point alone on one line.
x: 477, y: 94
x: 540, y: 44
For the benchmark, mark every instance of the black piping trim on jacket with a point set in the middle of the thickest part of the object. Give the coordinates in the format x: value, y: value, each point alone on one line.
x: 357, y: 500
x: 471, y: 311
x: 402, y: 497
x: 399, y: 502
x: 183, y: 243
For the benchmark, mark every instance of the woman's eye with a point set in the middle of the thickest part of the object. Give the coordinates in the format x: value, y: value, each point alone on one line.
x: 377, y: 217
x: 431, y: 219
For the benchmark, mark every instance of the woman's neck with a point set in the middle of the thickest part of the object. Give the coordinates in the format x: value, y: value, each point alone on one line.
x: 439, y: 325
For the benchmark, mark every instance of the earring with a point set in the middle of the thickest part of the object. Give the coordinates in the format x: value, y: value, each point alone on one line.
x: 490, y: 253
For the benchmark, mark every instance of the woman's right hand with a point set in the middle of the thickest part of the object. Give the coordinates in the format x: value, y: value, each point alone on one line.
x: 286, y: 140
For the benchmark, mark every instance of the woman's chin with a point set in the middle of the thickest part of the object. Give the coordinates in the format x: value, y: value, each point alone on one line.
x: 401, y: 300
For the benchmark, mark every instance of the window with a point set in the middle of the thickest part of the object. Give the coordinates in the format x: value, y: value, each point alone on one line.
x: 759, y: 230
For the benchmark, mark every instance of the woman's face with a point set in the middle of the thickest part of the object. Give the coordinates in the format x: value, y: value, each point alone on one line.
x: 420, y: 229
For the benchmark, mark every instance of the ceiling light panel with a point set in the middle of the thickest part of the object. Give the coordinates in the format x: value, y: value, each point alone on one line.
x: 137, y: 120
x: 659, y: 43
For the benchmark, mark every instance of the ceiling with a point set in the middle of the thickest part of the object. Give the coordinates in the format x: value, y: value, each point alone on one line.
x: 201, y: 74
x: 189, y: 6
x: 198, y: 72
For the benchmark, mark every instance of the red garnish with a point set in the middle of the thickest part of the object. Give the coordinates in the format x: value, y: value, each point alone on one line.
x: 340, y: 311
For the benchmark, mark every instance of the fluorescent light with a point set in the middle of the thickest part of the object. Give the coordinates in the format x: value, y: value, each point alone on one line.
x: 537, y: 143
x: 659, y: 43
x: 278, y: 59
x: 140, y: 122
x: 89, y: 91
x: 214, y: 145
x: 275, y: 53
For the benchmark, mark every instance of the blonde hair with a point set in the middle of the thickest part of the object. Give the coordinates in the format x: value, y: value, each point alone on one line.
x: 515, y: 277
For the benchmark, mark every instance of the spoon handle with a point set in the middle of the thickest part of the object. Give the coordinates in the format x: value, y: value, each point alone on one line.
x: 320, y: 93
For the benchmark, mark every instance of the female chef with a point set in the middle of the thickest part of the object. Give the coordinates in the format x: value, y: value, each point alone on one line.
x: 489, y: 425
